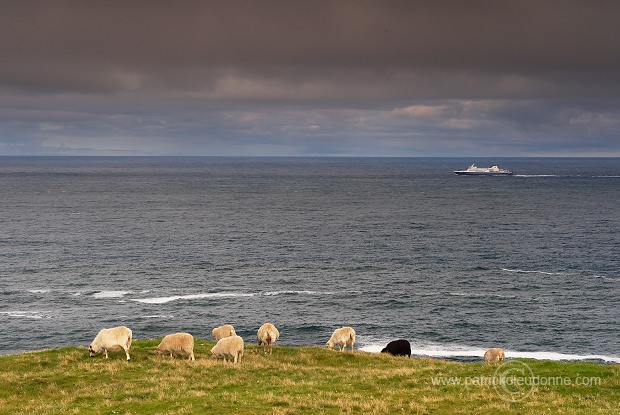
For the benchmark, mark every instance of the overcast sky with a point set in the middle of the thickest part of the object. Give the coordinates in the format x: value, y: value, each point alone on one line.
x: 286, y: 78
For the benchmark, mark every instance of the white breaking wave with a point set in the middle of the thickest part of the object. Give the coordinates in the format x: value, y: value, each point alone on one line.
x: 560, y: 356
x: 25, y: 314
x: 110, y: 294
x: 297, y: 292
x: 456, y: 351
x: 39, y: 291
x: 522, y: 271
x: 162, y: 300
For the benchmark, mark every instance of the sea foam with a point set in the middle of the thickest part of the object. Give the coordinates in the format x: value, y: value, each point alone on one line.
x: 522, y: 271
x: 42, y: 291
x: 110, y: 294
x: 301, y: 292
x: 162, y: 300
x: 458, y: 351
x: 25, y: 314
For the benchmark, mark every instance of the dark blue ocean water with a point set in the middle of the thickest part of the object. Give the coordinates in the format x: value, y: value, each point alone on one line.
x: 395, y: 247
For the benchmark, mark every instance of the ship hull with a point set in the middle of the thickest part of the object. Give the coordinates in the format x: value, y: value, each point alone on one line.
x: 473, y: 173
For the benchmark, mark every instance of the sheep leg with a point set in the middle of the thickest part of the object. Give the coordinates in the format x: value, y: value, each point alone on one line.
x: 191, y: 356
x: 105, y: 353
x: 127, y: 353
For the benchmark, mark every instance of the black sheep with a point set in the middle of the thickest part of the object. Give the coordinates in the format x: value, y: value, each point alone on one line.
x: 398, y: 348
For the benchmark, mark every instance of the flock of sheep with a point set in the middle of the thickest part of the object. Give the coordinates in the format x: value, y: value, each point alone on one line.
x: 229, y: 345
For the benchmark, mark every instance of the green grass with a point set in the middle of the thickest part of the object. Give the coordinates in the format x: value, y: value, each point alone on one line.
x: 294, y: 380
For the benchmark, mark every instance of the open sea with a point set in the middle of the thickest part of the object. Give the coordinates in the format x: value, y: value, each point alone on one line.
x: 394, y: 247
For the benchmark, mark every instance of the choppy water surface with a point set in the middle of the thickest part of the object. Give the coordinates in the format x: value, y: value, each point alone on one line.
x: 396, y: 248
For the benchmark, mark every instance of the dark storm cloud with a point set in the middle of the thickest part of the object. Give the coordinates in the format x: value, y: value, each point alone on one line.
x: 501, y: 47
x: 309, y: 77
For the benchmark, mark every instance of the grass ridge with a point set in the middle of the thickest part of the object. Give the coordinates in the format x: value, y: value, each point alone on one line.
x: 294, y: 380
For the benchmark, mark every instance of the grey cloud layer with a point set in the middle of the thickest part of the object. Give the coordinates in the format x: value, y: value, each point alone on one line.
x: 492, y: 47
x: 318, y: 77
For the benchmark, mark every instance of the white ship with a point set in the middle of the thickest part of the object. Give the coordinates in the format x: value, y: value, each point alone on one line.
x: 483, y: 171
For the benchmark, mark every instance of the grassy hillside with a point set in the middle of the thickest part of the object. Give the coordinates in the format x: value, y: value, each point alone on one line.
x: 294, y: 380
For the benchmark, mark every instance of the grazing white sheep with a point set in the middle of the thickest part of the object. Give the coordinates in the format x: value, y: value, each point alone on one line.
x: 111, y: 339
x: 342, y: 337
x: 177, y: 344
x: 494, y: 355
x: 223, y: 331
x: 267, y: 336
x: 231, y: 346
